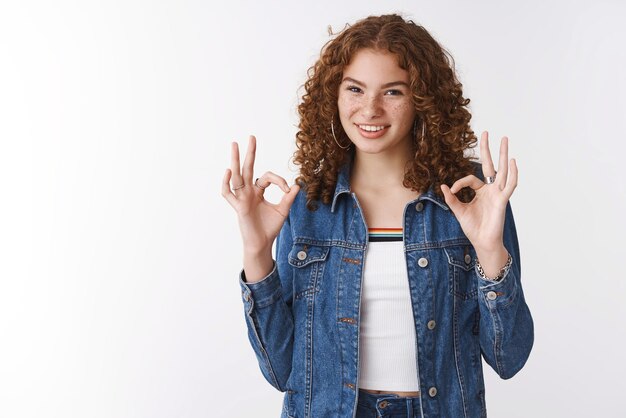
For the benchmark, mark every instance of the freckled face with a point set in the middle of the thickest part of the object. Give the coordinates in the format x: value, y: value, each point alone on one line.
x: 375, y: 106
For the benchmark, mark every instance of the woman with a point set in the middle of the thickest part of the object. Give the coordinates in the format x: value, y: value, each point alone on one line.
x: 397, y: 261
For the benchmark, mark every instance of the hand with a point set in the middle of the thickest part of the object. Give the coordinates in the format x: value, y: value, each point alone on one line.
x: 259, y: 221
x: 482, y: 219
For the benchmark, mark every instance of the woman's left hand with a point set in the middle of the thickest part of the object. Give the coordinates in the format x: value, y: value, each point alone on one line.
x: 482, y: 219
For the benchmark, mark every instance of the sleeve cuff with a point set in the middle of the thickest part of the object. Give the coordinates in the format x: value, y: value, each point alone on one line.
x: 262, y: 293
x: 501, y: 292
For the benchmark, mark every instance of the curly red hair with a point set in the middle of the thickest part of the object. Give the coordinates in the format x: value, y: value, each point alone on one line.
x: 437, y: 96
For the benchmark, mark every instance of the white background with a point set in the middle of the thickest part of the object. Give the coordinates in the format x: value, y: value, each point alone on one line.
x: 119, y: 257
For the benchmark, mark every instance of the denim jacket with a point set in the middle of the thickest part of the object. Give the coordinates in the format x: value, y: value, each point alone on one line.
x: 303, y: 318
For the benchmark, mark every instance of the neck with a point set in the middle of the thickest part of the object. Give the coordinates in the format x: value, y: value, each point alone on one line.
x: 379, y: 172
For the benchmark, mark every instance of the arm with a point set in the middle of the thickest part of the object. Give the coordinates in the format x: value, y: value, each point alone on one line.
x: 268, y: 311
x: 267, y: 305
x: 506, y: 325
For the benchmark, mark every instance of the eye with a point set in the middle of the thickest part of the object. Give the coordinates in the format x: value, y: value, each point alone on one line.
x: 354, y: 89
x: 394, y: 93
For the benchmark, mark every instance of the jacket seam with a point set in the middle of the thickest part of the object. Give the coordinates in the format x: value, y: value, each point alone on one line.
x: 266, y: 358
x: 456, y: 353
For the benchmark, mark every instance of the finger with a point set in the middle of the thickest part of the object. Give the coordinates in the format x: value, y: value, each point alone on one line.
x: 270, y: 178
x: 467, y: 181
x: 451, y: 200
x: 234, y: 165
x: 485, y: 155
x: 503, y: 163
x: 512, y: 180
x: 226, y: 191
x: 248, y: 163
x: 287, y: 200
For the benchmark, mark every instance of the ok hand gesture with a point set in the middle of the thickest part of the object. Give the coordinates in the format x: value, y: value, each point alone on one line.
x: 482, y: 219
x: 259, y: 221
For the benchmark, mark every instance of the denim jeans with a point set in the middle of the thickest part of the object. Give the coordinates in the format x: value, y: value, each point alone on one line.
x: 387, y: 406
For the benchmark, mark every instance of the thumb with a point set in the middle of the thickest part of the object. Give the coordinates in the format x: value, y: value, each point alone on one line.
x: 288, y: 198
x: 451, y: 200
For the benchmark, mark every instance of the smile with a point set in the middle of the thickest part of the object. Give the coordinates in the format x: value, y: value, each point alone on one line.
x: 371, y: 128
x: 372, y: 131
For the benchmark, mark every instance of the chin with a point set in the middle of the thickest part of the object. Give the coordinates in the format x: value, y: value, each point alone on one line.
x: 369, y: 150
x: 373, y: 146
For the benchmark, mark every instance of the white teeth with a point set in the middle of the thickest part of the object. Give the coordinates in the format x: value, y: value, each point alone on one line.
x: 371, y: 128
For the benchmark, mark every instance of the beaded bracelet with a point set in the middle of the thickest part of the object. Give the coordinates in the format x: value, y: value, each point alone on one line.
x: 501, y: 273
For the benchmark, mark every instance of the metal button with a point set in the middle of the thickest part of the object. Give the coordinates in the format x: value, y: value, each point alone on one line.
x: 246, y: 296
x: 419, y: 206
x: 491, y: 295
x: 383, y: 404
x: 432, y: 392
x: 432, y: 324
x: 468, y: 258
x: 301, y: 255
x: 422, y: 262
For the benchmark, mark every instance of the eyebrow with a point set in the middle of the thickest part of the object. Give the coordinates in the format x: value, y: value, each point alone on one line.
x: 387, y: 85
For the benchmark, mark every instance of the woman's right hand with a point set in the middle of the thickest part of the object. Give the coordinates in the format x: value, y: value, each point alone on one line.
x: 259, y: 220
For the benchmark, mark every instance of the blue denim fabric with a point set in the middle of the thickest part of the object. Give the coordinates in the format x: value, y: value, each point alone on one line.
x: 303, y: 318
x: 387, y: 406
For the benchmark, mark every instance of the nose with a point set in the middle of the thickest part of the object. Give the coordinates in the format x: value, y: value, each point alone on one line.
x: 371, y: 106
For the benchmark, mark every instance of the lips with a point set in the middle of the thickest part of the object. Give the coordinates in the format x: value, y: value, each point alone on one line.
x: 372, y: 131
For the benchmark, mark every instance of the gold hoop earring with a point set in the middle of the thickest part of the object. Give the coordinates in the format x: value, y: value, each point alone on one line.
x: 332, y: 129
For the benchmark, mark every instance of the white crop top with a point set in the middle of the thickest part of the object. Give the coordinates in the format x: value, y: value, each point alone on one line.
x: 387, y: 355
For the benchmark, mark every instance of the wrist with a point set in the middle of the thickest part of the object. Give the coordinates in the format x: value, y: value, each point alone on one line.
x: 257, y: 265
x: 493, y: 261
x: 257, y: 253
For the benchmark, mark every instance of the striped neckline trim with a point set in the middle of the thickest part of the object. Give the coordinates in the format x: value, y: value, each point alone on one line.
x: 385, y: 234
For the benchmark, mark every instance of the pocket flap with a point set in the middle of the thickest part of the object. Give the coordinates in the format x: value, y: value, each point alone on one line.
x: 302, y: 254
x: 462, y: 256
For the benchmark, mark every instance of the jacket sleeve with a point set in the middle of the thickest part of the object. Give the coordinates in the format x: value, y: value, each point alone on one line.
x: 268, y: 314
x: 506, y: 325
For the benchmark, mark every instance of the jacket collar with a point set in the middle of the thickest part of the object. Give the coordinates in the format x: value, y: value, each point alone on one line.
x: 343, y: 186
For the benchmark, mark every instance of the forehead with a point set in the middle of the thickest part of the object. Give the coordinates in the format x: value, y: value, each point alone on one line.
x: 375, y: 65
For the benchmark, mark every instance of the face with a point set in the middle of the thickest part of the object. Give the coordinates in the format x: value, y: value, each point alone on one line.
x: 375, y: 106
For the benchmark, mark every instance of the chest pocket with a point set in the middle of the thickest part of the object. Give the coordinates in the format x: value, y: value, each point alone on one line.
x: 308, y: 261
x: 461, y: 263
